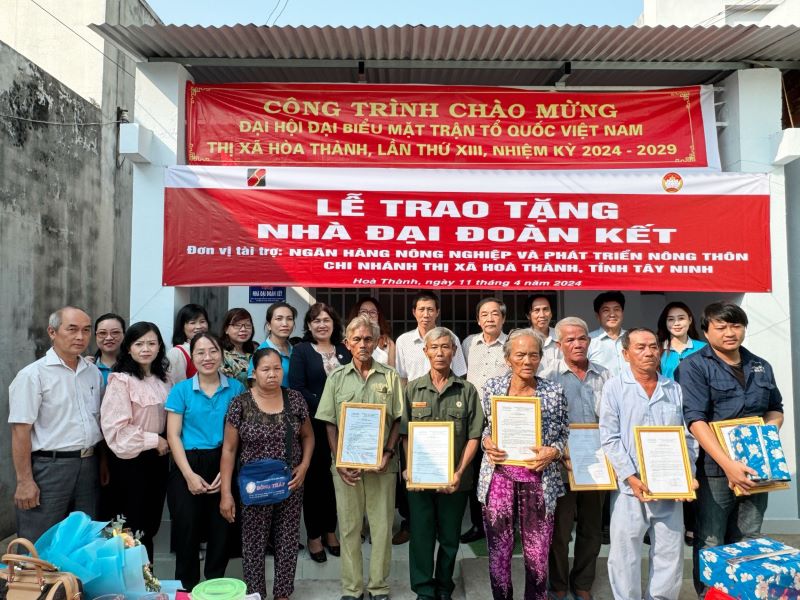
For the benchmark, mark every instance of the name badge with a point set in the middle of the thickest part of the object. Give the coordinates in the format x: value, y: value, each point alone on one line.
x: 419, y: 404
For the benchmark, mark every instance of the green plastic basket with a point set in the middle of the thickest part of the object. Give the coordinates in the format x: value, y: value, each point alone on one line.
x: 220, y: 589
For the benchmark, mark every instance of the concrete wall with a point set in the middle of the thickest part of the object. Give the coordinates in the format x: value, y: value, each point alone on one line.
x: 65, y: 197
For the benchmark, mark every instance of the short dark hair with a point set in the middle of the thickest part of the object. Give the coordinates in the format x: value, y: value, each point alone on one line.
x: 661, y: 326
x: 125, y: 362
x: 237, y: 314
x: 355, y: 310
x: 108, y: 316
x: 723, y: 311
x: 626, y: 337
x: 424, y: 295
x: 486, y: 301
x: 186, y: 314
x: 532, y: 298
x: 313, y: 312
x: 262, y: 352
x: 601, y: 299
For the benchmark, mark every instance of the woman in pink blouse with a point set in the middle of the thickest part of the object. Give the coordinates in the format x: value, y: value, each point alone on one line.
x: 133, y: 420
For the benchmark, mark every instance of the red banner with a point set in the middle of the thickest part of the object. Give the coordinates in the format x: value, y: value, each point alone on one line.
x: 693, y: 231
x: 418, y: 126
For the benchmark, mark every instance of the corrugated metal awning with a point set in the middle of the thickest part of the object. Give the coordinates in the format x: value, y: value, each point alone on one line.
x: 534, y: 56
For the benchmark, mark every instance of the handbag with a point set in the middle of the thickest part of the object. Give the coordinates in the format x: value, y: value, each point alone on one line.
x: 264, y: 482
x: 31, y: 578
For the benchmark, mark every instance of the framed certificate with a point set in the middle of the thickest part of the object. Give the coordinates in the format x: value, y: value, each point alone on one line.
x: 721, y: 430
x: 664, y: 462
x: 430, y: 454
x: 516, y: 426
x: 591, y: 469
x: 360, y: 444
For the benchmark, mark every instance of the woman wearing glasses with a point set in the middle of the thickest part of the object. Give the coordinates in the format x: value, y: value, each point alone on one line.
x: 108, y: 331
x: 237, y: 343
x: 313, y: 359
x: 370, y: 307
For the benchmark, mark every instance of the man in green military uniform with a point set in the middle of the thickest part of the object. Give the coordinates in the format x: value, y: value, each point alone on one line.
x: 369, y: 491
x: 440, y: 395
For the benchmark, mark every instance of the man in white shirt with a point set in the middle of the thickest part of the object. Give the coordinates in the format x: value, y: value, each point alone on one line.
x: 540, y: 313
x: 606, y: 346
x: 485, y: 360
x: 411, y: 360
x: 54, y: 407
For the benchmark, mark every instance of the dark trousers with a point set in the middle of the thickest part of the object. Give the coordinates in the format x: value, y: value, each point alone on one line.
x: 194, y: 514
x: 319, y: 499
x: 401, y: 493
x: 723, y: 518
x: 65, y: 485
x: 475, y: 507
x: 435, y: 517
x: 588, y: 508
x: 138, y: 487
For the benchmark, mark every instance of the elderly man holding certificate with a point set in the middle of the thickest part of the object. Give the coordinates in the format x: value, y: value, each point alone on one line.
x: 366, y: 469
x: 520, y: 476
x: 583, y: 382
x: 437, y: 503
x: 653, y: 454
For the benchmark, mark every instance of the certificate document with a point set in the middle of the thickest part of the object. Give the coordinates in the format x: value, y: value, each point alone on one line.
x: 516, y: 426
x: 664, y: 461
x: 591, y: 470
x: 360, y: 443
x: 430, y: 454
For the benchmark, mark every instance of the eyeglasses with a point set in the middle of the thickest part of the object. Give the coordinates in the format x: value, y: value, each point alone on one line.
x: 369, y: 313
x: 241, y: 326
x: 102, y: 334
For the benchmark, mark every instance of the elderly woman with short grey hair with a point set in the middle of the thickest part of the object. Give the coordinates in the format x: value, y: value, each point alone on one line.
x: 530, y: 491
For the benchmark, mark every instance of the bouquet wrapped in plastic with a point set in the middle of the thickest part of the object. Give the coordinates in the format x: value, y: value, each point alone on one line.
x: 107, y: 558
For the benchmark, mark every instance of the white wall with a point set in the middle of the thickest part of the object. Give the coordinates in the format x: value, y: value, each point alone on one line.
x: 719, y: 12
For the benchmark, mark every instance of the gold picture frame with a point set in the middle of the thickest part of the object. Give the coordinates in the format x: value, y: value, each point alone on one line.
x: 720, y: 429
x: 582, y: 487
x: 537, y: 433
x: 346, y: 407
x: 680, y: 433
x: 413, y: 428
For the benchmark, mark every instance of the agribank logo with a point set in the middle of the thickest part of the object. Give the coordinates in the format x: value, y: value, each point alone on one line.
x: 672, y: 183
x: 256, y: 177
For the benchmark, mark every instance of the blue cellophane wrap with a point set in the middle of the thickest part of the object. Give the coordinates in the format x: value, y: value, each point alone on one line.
x: 104, y: 565
x: 753, y: 569
x: 759, y: 447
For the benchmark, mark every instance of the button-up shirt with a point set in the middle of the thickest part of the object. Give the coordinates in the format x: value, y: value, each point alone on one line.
x: 670, y: 359
x: 711, y: 392
x: 484, y: 360
x: 412, y: 362
x: 551, y: 353
x: 584, y: 396
x: 203, y: 417
x: 62, y: 405
x: 606, y: 351
x: 625, y: 405
x: 457, y: 402
x: 345, y: 384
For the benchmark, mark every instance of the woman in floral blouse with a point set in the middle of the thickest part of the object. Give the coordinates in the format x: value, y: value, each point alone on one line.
x: 529, y: 492
x: 237, y: 343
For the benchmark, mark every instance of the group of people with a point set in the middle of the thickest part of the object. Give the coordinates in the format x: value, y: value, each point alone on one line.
x: 119, y: 432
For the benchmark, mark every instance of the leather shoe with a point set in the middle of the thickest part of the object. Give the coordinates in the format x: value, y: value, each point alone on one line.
x: 379, y: 597
x: 473, y: 534
x: 318, y: 557
x: 361, y: 597
x: 332, y: 550
x: 401, y: 537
